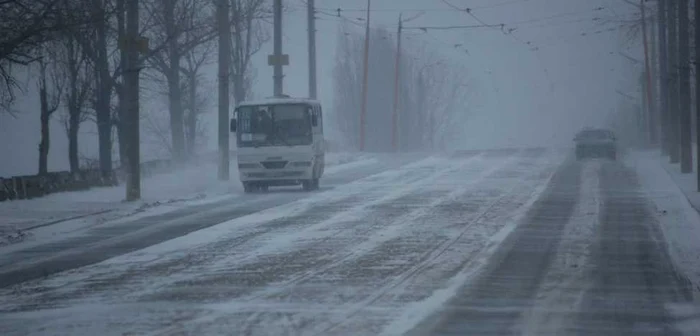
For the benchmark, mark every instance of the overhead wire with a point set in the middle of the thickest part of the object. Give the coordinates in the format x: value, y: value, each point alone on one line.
x: 506, y: 29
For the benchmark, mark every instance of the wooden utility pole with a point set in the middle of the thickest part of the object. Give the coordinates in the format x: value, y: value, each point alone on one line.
x: 311, y: 14
x: 684, y: 87
x: 363, y: 111
x: 397, y: 70
x: 650, y: 126
x: 673, y: 89
x: 664, y: 79
x: 131, y: 86
x: 697, y: 91
x: 224, y: 27
x: 278, y: 61
x: 655, y: 122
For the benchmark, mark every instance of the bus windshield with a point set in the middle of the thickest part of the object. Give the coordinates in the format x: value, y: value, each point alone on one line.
x: 274, y: 125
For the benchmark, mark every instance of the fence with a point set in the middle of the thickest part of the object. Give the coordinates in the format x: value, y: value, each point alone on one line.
x: 33, y: 186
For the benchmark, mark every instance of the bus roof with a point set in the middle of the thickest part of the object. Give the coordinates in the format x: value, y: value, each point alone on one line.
x: 278, y: 101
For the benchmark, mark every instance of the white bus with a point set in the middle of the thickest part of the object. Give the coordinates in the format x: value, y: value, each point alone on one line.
x: 280, y: 143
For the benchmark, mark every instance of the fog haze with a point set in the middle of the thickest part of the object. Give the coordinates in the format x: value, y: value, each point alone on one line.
x: 518, y: 96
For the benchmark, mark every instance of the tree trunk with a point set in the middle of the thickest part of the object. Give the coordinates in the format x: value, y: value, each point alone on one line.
x: 192, y: 116
x: 177, y: 131
x: 684, y: 115
x: 104, y: 93
x: 121, y: 128
x: 73, y: 127
x: 121, y: 107
x: 673, y: 84
x: 238, y: 87
x: 45, y: 114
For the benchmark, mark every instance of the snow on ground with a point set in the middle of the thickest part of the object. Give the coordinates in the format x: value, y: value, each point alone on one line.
x: 675, y: 200
x: 70, y: 211
x: 418, y: 311
x: 562, y: 288
x: 348, y: 260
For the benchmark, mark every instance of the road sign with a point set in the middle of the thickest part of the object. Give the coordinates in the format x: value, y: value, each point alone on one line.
x: 273, y: 60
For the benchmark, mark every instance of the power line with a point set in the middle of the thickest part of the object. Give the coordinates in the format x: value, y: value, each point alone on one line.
x: 363, y: 10
x: 503, y: 30
x: 555, y: 16
x: 425, y: 28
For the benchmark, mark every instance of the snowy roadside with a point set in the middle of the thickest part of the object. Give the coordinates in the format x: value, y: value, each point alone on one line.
x: 67, y: 212
x: 376, y: 254
x: 675, y: 200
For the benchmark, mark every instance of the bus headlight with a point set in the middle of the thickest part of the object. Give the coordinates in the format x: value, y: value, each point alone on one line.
x: 301, y: 164
x: 248, y: 165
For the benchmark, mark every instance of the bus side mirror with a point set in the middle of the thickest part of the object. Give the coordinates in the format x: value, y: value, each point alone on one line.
x: 314, y: 120
x: 233, y: 126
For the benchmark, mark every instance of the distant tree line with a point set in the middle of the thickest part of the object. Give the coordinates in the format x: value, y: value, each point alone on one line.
x: 433, y: 93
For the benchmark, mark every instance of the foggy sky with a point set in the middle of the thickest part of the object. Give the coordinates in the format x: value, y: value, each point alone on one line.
x: 521, y: 97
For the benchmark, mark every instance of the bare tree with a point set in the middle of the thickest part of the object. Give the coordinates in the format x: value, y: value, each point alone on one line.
x: 49, y: 99
x: 195, y: 101
x: 182, y: 25
x: 248, y: 36
x: 75, y: 69
x: 346, y: 81
x: 24, y: 26
x: 95, y: 42
x: 432, y: 93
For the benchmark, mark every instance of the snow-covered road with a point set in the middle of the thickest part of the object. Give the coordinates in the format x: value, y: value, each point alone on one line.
x: 480, y: 242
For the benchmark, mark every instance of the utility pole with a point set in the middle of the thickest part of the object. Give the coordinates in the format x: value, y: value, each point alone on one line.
x: 395, y: 114
x: 224, y: 27
x: 647, y: 67
x: 131, y: 87
x: 654, y: 122
x: 363, y: 111
x: 664, y: 79
x: 684, y: 87
x: 673, y: 89
x: 311, y: 13
x: 697, y: 91
x: 278, y: 59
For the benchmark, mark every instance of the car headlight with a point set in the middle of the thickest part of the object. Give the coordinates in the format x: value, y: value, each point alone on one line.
x: 301, y: 164
x: 247, y: 165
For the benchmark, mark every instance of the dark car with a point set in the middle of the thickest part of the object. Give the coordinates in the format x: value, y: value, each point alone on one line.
x: 599, y: 143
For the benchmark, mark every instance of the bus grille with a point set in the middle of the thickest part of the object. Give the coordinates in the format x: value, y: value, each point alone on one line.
x: 274, y: 164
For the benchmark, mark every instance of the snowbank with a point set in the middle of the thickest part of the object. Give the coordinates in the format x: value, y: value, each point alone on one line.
x: 675, y: 198
x: 160, y: 193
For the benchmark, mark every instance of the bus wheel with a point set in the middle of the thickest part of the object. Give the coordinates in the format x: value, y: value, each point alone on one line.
x: 307, y: 185
x: 248, y: 187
